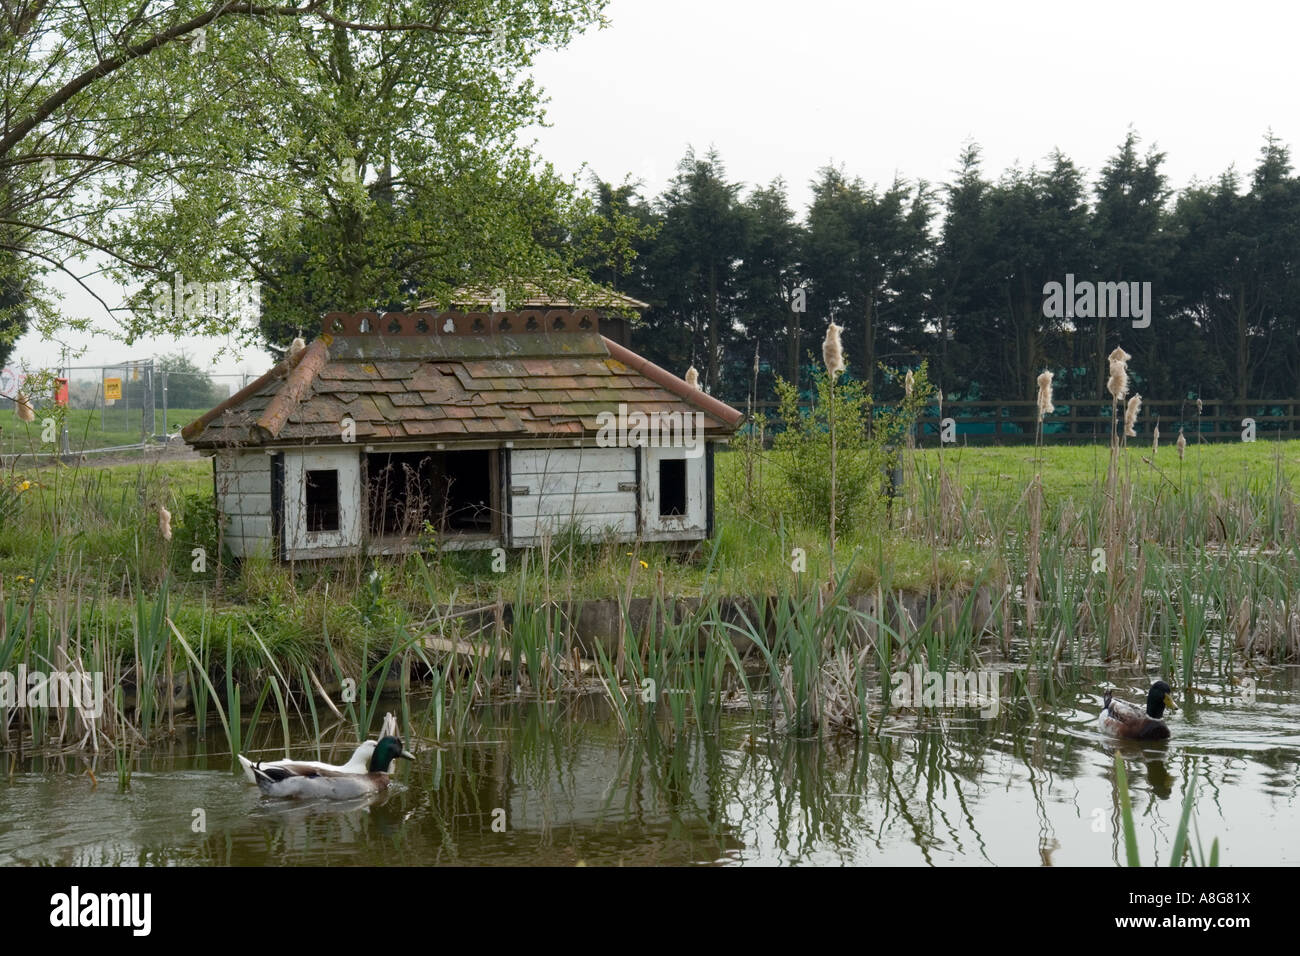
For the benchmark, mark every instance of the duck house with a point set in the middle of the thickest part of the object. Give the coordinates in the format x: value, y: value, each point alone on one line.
x: 396, y: 431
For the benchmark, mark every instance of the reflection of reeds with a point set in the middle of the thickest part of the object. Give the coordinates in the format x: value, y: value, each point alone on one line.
x: 1182, y: 847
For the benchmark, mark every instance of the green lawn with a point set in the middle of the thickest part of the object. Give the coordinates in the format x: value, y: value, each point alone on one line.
x: 1076, y: 469
x: 87, y: 428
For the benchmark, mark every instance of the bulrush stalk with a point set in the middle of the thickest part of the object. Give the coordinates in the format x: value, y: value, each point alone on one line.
x: 909, y: 382
x: 1117, y: 384
x: 1130, y: 416
x: 833, y: 356
x: 1045, y: 408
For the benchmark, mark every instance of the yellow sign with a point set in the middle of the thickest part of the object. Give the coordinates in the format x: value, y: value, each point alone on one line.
x: 112, y: 389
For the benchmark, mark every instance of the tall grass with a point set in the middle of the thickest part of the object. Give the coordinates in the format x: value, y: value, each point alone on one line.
x: 1200, y: 576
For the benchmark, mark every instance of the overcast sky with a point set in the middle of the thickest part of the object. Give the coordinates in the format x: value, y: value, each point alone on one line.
x: 781, y: 89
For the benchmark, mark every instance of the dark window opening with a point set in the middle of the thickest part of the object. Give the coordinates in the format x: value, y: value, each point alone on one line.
x: 323, y: 500
x: 413, y: 493
x: 672, y: 487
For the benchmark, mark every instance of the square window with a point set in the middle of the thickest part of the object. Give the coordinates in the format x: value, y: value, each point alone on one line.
x: 322, y: 500
x: 672, y: 487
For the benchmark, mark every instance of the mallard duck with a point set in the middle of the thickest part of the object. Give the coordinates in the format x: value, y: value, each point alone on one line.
x: 359, y: 762
x: 1120, y: 719
x: 301, y: 780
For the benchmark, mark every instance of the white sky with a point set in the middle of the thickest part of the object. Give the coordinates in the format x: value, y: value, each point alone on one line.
x: 782, y: 89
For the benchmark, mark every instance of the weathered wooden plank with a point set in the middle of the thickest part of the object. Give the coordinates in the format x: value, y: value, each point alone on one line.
x: 241, y: 504
x: 248, y: 547
x: 569, y: 482
x: 255, y: 482
x: 243, y: 461
x: 529, y: 530
x: 550, y: 461
x: 255, y: 527
x: 563, y: 505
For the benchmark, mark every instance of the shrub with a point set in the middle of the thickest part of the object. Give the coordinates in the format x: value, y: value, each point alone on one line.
x: 805, y: 493
x: 869, y: 439
x: 194, y: 526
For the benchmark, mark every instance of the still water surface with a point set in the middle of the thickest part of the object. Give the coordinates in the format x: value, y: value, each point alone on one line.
x: 557, y: 784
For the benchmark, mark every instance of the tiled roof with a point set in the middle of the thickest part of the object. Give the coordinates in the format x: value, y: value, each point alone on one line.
x: 448, y: 386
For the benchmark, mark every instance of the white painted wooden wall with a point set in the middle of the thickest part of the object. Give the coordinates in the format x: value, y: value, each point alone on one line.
x: 687, y: 527
x: 243, y: 481
x: 298, y: 541
x: 571, y: 486
x: 565, y: 486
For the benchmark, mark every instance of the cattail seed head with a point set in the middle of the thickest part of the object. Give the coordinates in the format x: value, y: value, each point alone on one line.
x: 1045, y: 406
x: 1155, y: 439
x: 165, y: 522
x: 1181, y: 445
x: 908, y: 383
x: 692, y: 377
x: 1117, y: 383
x: 1198, y: 406
x: 1131, y: 415
x: 23, y: 407
x: 833, y: 351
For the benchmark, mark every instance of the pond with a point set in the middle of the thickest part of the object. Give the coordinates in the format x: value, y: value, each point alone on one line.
x: 559, y: 784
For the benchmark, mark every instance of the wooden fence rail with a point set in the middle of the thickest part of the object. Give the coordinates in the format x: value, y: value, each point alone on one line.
x: 1090, y: 421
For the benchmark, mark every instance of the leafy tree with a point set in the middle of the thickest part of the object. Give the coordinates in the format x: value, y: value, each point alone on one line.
x: 14, y: 318
x: 613, y: 229
x: 963, y: 251
x: 1001, y: 243
x: 694, y: 267
x: 186, y: 137
x: 1131, y: 243
x: 867, y: 261
x: 188, y: 386
x: 770, y: 297
x: 1041, y: 230
x: 1236, y: 273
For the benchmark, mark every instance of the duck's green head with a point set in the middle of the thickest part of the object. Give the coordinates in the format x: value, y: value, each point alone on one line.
x: 1158, y: 698
x: 386, y: 751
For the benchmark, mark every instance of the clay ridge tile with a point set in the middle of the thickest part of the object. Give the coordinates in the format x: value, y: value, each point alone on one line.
x: 286, y: 366
x: 296, y: 387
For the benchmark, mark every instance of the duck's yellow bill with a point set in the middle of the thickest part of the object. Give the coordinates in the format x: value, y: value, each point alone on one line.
x: 1169, y: 702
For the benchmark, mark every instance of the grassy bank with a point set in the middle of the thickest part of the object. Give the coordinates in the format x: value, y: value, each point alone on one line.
x: 1202, y: 559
